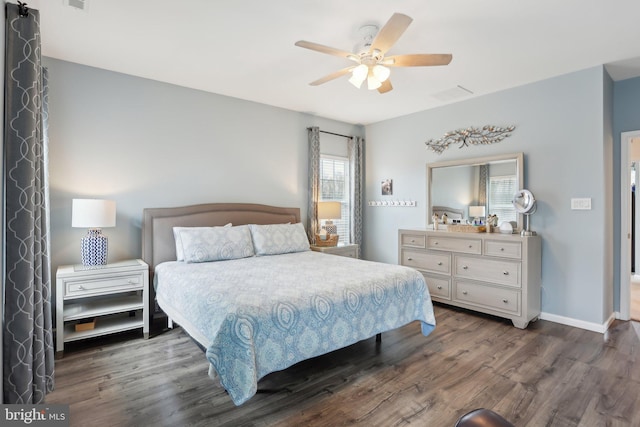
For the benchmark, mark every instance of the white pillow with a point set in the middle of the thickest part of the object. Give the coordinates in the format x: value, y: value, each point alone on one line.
x: 276, y: 239
x: 178, y: 239
x: 216, y: 244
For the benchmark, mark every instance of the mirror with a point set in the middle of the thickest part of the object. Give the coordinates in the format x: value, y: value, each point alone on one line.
x: 458, y: 186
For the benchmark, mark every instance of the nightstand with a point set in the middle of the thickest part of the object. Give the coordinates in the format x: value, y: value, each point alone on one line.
x: 101, y: 299
x: 350, y: 250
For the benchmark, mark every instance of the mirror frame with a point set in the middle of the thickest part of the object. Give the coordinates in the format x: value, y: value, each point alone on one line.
x: 518, y: 157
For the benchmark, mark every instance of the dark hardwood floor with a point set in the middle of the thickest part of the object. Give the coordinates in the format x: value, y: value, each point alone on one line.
x: 546, y: 375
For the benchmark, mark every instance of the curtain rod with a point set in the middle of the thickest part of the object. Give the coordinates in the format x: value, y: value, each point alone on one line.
x: 332, y: 133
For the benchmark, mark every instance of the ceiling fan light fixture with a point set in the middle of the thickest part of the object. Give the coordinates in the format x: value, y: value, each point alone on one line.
x: 381, y: 73
x: 372, y: 82
x: 360, y: 72
x: 356, y: 81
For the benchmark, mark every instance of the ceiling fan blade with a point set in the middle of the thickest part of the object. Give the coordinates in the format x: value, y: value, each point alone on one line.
x: 326, y: 49
x: 332, y: 76
x: 391, y: 32
x: 386, y: 86
x: 418, y: 60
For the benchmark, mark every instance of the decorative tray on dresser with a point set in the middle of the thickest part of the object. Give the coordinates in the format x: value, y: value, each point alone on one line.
x: 493, y: 273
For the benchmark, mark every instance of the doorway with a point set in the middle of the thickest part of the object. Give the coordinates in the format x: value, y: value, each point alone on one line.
x: 629, y: 219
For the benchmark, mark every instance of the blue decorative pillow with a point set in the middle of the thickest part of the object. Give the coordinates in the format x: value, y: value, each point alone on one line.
x: 277, y: 239
x: 178, y: 239
x: 216, y: 244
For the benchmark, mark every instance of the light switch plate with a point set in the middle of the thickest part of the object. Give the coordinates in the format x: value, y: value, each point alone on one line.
x: 583, y: 204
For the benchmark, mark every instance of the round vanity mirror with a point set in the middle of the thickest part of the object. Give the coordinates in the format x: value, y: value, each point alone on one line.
x: 524, y: 203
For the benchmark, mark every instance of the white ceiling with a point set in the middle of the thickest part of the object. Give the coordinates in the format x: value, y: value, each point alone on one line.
x: 245, y: 48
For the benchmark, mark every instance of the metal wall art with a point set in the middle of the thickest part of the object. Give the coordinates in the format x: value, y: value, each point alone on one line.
x: 471, y: 136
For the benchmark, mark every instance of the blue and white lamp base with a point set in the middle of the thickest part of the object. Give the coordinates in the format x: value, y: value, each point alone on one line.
x: 94, y: 248
x: 330, y: 227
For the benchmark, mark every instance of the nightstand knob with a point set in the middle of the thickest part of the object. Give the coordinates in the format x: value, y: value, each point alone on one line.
x: 81, y: 287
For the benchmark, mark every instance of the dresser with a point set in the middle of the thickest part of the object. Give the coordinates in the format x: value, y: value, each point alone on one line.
x: 493, y: 273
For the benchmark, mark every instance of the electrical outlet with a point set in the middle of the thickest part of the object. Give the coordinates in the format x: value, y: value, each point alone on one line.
x: 583, y: 204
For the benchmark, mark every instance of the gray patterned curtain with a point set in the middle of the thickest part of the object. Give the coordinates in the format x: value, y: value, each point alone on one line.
x: 28, y: 353
x: 482, y: 186
x: 354, y: 147
x: 314, y: 183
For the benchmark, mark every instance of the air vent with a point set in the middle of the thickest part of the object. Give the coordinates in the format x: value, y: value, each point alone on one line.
x: 77, y: 4
x: 452, y: 94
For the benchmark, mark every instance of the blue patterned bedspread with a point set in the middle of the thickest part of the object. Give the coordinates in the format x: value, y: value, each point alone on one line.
x: 263, y: 314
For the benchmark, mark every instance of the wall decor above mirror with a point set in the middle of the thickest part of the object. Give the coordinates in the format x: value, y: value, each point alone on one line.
x: 488, y: 134
x: 491, y: 182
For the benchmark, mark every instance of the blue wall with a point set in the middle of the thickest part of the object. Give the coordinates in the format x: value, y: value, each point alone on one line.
x: 561, y: 129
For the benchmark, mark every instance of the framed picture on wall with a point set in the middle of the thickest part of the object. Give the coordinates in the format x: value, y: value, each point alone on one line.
x: 387, y: 187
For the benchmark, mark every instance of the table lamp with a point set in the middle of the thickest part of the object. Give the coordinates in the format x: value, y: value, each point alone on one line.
x: 93, y: 214
x: 330, y: 211
x: 477, y: 212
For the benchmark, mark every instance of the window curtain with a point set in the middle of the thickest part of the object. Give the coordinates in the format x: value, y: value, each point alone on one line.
x: 28, y: 353
x: 313, y: 134
x: 354, y: 147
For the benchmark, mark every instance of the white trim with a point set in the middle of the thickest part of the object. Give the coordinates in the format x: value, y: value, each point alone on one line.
x: 625, y: 221
x: 576, y: 323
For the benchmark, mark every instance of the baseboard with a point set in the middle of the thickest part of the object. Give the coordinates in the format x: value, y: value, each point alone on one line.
x: 576, y: 323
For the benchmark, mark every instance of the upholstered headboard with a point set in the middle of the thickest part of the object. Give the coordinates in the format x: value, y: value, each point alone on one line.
x: 451, y: 212
x: 158, y: 244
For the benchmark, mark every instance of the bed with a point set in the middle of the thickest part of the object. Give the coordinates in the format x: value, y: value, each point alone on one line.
x: 262, y: 309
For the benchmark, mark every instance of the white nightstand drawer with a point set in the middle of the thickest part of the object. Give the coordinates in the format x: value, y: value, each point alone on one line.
x: 99, y: 286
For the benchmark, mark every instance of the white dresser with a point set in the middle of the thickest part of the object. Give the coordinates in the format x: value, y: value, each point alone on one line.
x: 498, y: 274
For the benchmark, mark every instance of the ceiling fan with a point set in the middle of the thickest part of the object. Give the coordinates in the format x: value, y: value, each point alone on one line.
x: 370, y: 59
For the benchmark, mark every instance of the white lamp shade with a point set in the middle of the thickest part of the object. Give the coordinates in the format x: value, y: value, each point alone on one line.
x: 93, y: 213
x: 476, y: 211
x: 329, y: 210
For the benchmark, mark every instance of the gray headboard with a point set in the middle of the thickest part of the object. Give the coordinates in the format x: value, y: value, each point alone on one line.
x: 158, y: 244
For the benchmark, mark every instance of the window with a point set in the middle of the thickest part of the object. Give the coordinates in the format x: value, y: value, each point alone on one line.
x: 334, y: 187
x: 501, y: 191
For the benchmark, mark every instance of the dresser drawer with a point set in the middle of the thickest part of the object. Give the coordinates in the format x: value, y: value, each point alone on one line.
x: 412, y: 240
x: 438, y: 263
x: 98, y: 286
x: 467, y: 246
x: 503, y: 249
x: 505, y: 300
x: 489, y: 270
x: 438, y: 286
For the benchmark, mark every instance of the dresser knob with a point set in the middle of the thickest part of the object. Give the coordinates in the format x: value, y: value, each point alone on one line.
x: 502, y: 249
x: 464, y: 267
x: 464, y: 292
x: 505, y: 301
x: 506, y: 273
x: 409, y: 259
x: 412, y: 241
x: 470, y: 246
x: 439, y: 287
x: 81, y: 287
x: 435, y: 243
x: 440, y: 263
